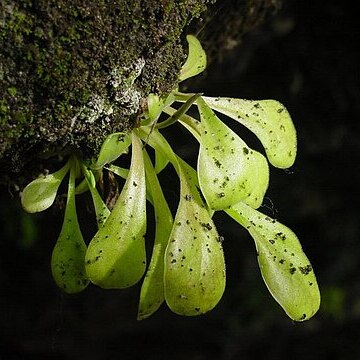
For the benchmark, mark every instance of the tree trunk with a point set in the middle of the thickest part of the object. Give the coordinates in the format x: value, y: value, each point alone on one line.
x: 72, y: 72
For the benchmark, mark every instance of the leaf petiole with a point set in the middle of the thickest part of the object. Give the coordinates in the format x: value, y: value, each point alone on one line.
x: 101, y: 210
x: 187, y: 121
x: 178, y: 113
x: 152, y: 289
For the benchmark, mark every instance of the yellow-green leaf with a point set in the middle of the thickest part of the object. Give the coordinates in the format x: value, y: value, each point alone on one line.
x: 227, y: 167
x: 194, y: 274
x: 268, y: 120
x: 196, y: 60
x: 68, y: 256
x: 160, y: 161
x: 113, y: 146
x: 285, y: 268
x: 155, y: 106
x: 261, y: 181
x: 101, y: 210
x: 194, y: 259
x: 152, y: 289
x: 41, y: 192
x: 116, y: 255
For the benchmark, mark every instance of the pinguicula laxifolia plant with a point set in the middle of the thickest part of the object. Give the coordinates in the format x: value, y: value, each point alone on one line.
x: 187, y: 266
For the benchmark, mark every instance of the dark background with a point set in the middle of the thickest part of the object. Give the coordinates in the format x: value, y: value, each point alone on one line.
x: 307, y: 57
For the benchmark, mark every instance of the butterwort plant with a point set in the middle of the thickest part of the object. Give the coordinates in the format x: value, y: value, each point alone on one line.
x: 187, y: 265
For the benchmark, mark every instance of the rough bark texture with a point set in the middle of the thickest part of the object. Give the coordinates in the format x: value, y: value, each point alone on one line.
x: 72, y: 72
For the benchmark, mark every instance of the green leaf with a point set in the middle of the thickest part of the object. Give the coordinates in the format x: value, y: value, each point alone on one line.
x: 82, y: 187
x: 227, y: 167
x: 152, y: 290
x: 155, y: 106
x: 116, y: 255
x: 41, y: 192
x: 113, y: 146
x: 158, y: 143
x: 261, y: 181
x: 286, y: 270
x: 161, y: 161
x: 68, y: 256
x: 196, y: 60
x: 194, y: 260
x: 89, y: 177
x: 189, y: 122
x: 268, y: 120
x: 101, y: 210
x: 122, y: 172
x: 179, y: 112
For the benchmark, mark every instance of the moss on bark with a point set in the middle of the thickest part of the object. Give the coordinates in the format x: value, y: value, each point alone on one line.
x: 72, y: 72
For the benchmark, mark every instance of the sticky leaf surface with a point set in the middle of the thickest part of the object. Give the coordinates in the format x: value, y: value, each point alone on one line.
x: 113, y: 146
x: 227, y: 167
x: 261, y: 180
x: 41, y: 192
x: 286, y: 270
x: 116, y: 255
x: 268, y: 120
x: 194, y: 260
x: 68, y: 256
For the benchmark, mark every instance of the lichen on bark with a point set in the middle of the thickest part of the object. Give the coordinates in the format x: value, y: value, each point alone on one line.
x: 71, y: 72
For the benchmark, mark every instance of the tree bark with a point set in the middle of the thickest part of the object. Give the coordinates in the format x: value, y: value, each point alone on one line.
x: 72, y: 72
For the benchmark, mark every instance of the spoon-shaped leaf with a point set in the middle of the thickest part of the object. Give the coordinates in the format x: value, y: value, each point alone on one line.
x: 286, y: 270
x: 268, y: 120
x: 68, y: 257
x: 196, y: 60
x: 101, y: 210
x: 255, y: 198
x: 41, y: 192
x: 116, y: 255
x: 113, y: 146
x: 152, y: 290
x: 194, y: 260
x: 227, y: 167
x: 194, y: 276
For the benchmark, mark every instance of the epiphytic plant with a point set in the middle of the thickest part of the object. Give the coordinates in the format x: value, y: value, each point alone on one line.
x: 187, y: 266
